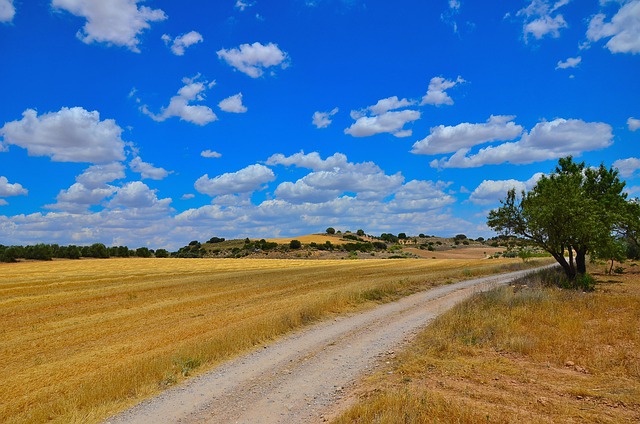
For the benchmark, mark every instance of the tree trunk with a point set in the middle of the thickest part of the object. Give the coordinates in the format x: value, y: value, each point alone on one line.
x: 581, y: 261
x: 569, y: 270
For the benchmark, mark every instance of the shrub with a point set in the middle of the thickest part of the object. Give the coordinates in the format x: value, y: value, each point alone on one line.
x: 295, y: 244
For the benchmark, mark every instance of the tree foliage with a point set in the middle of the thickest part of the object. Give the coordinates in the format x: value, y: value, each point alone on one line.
x: 573, y: 212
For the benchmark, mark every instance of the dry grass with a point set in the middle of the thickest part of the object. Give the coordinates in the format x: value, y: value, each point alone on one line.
x: 84, y: 339
x: 311, y: 238
x: 538, y: 355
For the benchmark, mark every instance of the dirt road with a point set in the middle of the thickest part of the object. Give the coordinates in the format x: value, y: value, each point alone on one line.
x: 299, y: 378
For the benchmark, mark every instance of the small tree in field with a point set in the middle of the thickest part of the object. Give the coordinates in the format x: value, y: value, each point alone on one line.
x: 569, y: 213
x: 331, y: 230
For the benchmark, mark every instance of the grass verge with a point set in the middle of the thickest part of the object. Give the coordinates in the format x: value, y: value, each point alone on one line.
x: 523, y: 353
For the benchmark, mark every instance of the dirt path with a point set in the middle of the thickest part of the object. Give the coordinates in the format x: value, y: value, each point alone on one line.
x: 300, y: 377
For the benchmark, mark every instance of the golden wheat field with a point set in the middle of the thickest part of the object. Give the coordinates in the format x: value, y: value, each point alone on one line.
x: 84, y: 339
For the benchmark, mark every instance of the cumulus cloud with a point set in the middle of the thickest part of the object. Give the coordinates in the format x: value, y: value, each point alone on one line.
x: 137, y: 195
x: 69, y: 135
x: 546, y: 141
x: 98, y: 175
x: 254, y: 59
x: 633, y: 124
x: 180, y: 107
x: 436, y: 93
x: 210, y: 154
x: 179, y: 44
x: 540, y: 19
x: 78, y: 198
x: 90, y: 188
x: 246, y: 180
x: 449, y: 139
x: 315, y: 162
x: 147, y: 170
x: 323, y: 119
x: 333, y: 177
x: 7, y: 10
x: 627, y: 167
x: 491, y: 191
x: 7, y: 189
x: 390, y: 103
x: 116, y: 22
x: 384, y: 118
x: 571, y: 62
x: 233, y: 104
x: 623, y: 31
x: 420, y: 196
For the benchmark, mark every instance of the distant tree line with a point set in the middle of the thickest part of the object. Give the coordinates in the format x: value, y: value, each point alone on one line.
x: 47, y: 252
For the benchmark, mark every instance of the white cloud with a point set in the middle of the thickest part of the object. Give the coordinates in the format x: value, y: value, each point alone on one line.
x: 188, y: 196
x: 137, y: 195
x: 571, y: 62
x: 546, y: 141
x: 233, y: 104
x: 246, y: 180
x: 333, y: 177
x: 7, y: 10
x: 98, y: 175
x: 491, y: 191
x: 78, y: 198
x: 389, y: 122
x: 182, y: 42
x: 210, y: 154
x: 436, y: 93
x: 69, y: 135
x: 623, y: 30
x: 448, y: 17
x: 627, y: 167
x: 254, y: 59
x: 301, y: 192
x: 633, y: 124
x: 7, y: 189
x: 147, y: 170
x: 384, y: 118
x: 3, y: 202
x: 538, y: 19
x: 179, y: 105
x: 322, y: 119
x: 117, y: 22
x: 313, y: 161
x: 390, y: 103
x: 243, y: 5
x: 448, y: 139
x: 420, y: 196
x: 90, y: 188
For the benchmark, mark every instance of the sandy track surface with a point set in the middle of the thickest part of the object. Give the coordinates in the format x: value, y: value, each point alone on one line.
x: 300, y: 378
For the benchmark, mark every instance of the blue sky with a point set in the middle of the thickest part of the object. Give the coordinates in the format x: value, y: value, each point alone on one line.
x: 153, y: 123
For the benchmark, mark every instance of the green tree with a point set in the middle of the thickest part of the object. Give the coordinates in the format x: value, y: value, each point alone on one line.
x: 295, y: 244
x: 360, y: 233
x: 143, y: 252
x: 331, y: 230
x: 162, y: 253
x: 568, y: 213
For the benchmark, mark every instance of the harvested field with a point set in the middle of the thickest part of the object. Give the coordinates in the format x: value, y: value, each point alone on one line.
x: 459, y: 253
x: 84, y: 339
